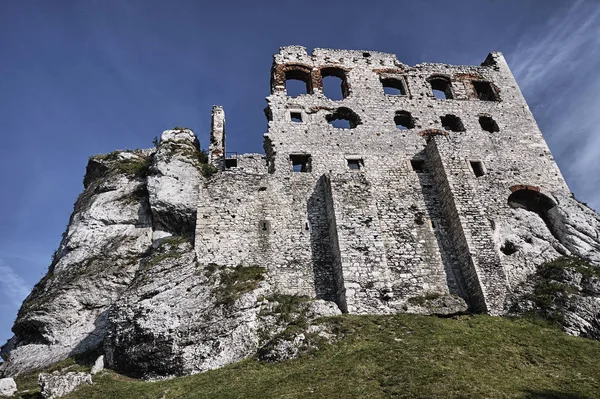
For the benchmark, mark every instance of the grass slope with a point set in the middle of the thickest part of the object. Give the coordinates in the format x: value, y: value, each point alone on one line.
x: 401, y: 356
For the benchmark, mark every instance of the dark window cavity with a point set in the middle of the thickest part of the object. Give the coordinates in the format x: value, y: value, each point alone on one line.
x: 343, y: 118
x: 452, y: 123
x: 300, y: 162
x: 418, y: 165
x: 264, y: 226
x: 488, y: 124
x: 485, y: 91
x: 366, y: 55
x: 297, y: 82
x: 296, y: 116
x: 477, y: 167
x: 404, y: 120
x: 441, y: 87
x: 355, y: 164
x: 393, y: 86
x: 335, y: 84
x: 230, y: 163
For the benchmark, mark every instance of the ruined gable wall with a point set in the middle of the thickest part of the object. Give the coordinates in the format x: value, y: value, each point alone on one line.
x: 391, y: 237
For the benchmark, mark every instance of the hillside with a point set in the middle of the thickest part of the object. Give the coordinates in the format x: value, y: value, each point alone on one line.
x: 402, y: 356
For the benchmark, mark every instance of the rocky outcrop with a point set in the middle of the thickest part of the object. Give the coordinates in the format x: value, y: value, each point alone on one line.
x: 8, y: 387
x: 126, y: 204
x: 57, y: 384
x: 566, y: 293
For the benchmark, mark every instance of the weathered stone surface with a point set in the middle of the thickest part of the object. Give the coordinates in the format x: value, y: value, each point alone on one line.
x: 98, y: 365
x: 59, y: 384
x: 173, y: 183
x: 421, y: 204
x: 8, y: 387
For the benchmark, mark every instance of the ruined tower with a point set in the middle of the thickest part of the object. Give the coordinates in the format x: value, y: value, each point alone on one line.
x: 391, y: 190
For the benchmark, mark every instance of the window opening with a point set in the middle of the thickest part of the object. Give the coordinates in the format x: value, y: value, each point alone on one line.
x: 418, y: 165
x: 404, y: 120
x: 355, y: 164
x: 488, y: 124
x: 452, y: 123
x: 296, y: 116
x: 297, y: 82
x: 393, y: 87
x: 230, y: 163
x: 485, y: 91
x: 335, y: 83
x: 366, y: 55
x: 441, y: 88
x: 477, y: 167
x: 300, y: 163
x: 343, y: 118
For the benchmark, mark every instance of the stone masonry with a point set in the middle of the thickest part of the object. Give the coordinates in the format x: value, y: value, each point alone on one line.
x: 401, y: 202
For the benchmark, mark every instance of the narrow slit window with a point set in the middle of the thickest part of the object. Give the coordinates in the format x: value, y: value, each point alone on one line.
x: 418, y: 165
x: 477, y: 167
x: 485, y: 91
x: 488, y: 124
x: 296, y: 117
x: 404, y: 120
x: 452, y: 123
x: 355, y: 164
x: 301, y: 163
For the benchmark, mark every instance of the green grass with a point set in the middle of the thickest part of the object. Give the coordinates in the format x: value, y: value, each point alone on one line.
x: 235, y: 282
x: 402, y: 356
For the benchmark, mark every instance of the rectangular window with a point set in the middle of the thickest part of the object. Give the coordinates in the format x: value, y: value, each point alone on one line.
x: 296, y: 117
x: 477, y: 168
x: 418, y: 165
x: 300, y: 163
x: 230, y: 163
x: 355, y: 164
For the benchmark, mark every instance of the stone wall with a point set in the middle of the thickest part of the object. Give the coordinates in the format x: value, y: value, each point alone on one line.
x: 374, y: 214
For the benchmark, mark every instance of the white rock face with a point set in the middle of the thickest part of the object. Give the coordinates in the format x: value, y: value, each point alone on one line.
x: 8, y: 387
x: 98, y: 365
x: 173, y: 185
x: 57, y: 384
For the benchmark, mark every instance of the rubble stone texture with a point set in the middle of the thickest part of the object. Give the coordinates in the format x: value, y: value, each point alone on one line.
x: 57, y: 384
x: 8, y: 387
x: 439, y: 196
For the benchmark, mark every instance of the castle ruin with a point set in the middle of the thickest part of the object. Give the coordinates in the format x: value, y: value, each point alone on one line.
x: 393, y: 190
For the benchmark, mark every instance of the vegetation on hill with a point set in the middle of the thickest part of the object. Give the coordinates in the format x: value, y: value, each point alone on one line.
x: 400, y: 356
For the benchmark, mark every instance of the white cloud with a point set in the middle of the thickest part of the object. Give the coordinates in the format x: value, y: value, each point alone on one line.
x: 557, y: 69
x: 12, y: 286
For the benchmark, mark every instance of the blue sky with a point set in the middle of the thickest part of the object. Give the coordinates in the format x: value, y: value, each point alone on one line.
x: 79, y: 78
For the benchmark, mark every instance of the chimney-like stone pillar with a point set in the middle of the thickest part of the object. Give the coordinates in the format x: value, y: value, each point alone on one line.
x: 216, y: 150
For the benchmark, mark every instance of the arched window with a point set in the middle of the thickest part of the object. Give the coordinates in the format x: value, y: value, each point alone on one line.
x: 335, y: 83
x: 404, y: 120
x: 393, y: 86
x: 343, y: 118
x: 441, y: 87
x: 298, y: 82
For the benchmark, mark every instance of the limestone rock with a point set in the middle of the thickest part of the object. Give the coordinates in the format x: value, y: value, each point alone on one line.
x: 58, y: 384
x: 98, y: 365
x: 173, y: 185
x: 8, y: 387
x: 110, y: 229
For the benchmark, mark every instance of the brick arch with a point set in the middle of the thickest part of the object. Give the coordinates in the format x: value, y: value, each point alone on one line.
x: 331, y: 70
x: 428, y: 133
x: 281, y: 72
